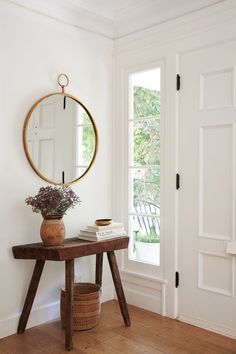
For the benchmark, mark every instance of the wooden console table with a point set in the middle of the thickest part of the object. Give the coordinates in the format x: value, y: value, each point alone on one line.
x: 71, y: 248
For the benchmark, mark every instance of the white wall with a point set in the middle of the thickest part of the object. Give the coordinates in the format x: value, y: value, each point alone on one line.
x: 34, y: 50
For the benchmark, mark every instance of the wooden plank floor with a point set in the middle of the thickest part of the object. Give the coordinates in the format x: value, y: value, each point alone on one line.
x: 149, y: 333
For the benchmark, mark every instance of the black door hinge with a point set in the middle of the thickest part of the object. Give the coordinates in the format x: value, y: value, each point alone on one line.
x: 176, y: 279
x: 177, y: 82
x: 177, y: 183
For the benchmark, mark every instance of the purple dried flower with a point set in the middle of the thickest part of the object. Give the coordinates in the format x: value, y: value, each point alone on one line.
x: 53, y: 201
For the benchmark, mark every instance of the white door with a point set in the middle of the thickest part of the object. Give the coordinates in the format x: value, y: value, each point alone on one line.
x: 207, y: 194
x: 51, y: 138
x: 41, y: 138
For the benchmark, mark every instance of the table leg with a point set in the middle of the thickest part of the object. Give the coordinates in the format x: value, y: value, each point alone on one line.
x: 69, y: 294
x: 99, y: 262
x: 118, y: 286
x: 38, y: 269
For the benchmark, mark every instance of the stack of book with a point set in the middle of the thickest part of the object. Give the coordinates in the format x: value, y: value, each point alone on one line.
x: 98, y: 233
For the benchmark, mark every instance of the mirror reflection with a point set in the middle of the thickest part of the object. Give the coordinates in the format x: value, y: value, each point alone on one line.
x: 60, y: 138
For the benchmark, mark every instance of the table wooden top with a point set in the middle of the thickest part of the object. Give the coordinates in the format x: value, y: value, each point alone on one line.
x: 71, y: 248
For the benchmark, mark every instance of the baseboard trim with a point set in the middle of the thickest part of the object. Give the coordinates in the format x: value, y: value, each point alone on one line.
x: 38, y: 316
x: 42, y: 314
x: 107, y: 293
x: 213, y: 327
x: 144, y: 291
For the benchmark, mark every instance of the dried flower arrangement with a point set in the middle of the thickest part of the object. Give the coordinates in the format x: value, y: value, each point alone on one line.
x: 53, y: 201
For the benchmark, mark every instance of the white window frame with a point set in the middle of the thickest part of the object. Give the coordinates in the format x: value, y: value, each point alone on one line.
x: 135, y: 266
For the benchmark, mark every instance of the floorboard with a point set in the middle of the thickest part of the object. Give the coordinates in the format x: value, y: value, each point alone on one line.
x: 149, y: 333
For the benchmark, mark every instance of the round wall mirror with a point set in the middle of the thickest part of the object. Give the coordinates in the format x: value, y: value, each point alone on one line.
x: 60, y: 138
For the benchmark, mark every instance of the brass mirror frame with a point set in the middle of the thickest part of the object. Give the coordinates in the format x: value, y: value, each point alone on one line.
x: 26, y: 125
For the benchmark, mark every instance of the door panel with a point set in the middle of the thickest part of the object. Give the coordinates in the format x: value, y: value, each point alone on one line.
x: 207, y: 194
x: 42, y: 139
x: 216, y: 177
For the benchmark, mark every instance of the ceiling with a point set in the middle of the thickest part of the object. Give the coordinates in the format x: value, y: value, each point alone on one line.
x: 115, y: 18
x: 107, y: 8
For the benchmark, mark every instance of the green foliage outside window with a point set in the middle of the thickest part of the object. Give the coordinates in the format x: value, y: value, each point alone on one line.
x: 146, y: 152
x: 151, y: 238
x: 88, y: 140
x: 146, y: 145
x: 146, y: 102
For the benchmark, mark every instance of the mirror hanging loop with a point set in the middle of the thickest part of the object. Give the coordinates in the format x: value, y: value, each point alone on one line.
x: 60, y: 77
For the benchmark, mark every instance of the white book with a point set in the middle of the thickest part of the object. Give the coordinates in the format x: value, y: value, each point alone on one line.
x: 94, y: 238
x: 113, y: 225
x: 111, y: 232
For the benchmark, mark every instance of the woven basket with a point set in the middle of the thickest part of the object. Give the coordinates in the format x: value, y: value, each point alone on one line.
x: 86, y: 306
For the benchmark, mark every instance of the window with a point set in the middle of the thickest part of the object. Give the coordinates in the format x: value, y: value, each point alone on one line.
x: 84, y: 141
x: 144, y: 166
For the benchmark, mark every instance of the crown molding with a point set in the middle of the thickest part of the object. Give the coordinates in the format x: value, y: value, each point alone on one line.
x: 196, y: 23
x: 138, y: 17
x: 144, y: 16
x: 69, y: 13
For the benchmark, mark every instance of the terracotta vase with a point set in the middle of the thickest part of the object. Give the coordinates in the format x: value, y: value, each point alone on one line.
x: 52, y: 231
